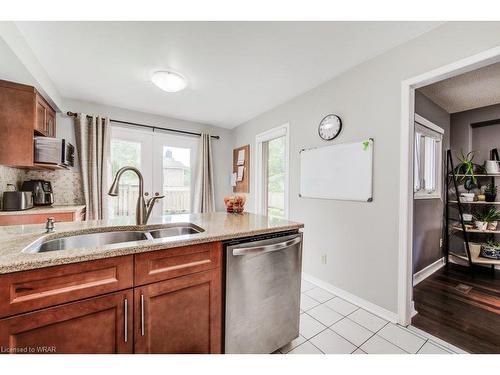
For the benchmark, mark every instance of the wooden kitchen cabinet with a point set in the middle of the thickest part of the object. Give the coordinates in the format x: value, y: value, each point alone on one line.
x: 44, y: 118
x: 97, y: 325
x: 25, y: 291
x: 51, y: 122
x: 179, y: 261
x: 181, y: 315
x: 173, y: 304
x: 23, y: 114
x: 25, y: 218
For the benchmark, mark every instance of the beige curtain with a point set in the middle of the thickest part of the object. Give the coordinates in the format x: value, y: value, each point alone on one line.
x: 92, y: 141
x: 204, y: 200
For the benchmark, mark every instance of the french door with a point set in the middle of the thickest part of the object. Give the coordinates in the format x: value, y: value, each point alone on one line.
x: 167, y: 163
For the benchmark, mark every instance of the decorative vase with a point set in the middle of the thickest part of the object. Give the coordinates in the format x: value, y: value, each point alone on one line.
x: 490, y: 197
x: 480, y: 225
x: 468, y: 197
x: 467, y: 218
x: 492, y: 226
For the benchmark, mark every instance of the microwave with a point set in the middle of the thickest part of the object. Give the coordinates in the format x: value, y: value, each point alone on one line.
x: 55, y: 151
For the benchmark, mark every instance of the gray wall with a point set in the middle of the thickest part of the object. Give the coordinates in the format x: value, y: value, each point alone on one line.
x: 481, y: 140
x: 222, y: 148
x: 428, y: 213
x: 361, y: 239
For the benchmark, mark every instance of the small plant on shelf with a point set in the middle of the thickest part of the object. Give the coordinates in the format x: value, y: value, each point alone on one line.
x: 490, y: 192
x: 468, y: 169
x: 488, y: 219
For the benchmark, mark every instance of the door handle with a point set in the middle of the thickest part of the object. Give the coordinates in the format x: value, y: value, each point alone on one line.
x: 142, y: 314
x: 267, y: 248
x: 125, y: 324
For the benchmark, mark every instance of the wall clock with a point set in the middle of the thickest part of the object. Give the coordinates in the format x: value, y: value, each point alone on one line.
x: 329, y: 128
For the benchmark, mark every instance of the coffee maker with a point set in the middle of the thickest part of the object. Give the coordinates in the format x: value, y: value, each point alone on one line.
x: 41, y: 192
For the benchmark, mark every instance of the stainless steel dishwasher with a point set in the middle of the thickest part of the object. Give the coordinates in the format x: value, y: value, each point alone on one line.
x: 262, y: 296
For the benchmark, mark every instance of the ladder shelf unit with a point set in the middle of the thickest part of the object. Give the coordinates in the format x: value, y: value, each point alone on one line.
x: 454, y: 226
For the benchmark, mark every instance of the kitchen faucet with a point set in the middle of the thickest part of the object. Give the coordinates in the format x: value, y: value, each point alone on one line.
x: 143, y: 207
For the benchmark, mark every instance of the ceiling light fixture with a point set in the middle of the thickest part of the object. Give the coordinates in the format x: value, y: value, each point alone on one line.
x: 169, y: 81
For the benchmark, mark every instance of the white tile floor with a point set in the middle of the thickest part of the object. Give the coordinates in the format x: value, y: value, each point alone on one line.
x: 331, y: 325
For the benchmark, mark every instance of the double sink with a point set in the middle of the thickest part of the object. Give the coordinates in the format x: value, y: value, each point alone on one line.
x: 111, y: 237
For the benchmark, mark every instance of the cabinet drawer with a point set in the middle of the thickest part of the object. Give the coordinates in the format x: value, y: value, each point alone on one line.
x: 31, y: 290
x: 36, y: 218
x: 177, y: 261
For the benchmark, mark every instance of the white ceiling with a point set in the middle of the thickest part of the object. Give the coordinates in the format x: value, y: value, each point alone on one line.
x: 475, y: 89
x: 236, y: 70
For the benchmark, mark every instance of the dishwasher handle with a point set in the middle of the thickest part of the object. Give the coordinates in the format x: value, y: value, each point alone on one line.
x: 267, y: 248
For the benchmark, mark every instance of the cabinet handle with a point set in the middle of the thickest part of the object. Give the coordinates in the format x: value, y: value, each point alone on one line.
x: 142, y: 314
x: 125, y: 325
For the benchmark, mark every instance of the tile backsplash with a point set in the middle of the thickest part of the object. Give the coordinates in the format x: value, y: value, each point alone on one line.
x: 66, y: 184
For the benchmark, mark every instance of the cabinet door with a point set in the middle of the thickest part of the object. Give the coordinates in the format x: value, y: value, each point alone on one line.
x: 97, y: 325
x: 40, y: 120
x: 17, y: 115
x: 181, y: 315
x: 51, y: 122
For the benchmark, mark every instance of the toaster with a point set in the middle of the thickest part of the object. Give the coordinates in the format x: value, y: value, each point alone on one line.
x: 17, y: 200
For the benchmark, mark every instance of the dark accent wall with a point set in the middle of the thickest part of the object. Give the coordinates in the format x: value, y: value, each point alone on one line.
x: 428, y: 213
x: 482, y: 139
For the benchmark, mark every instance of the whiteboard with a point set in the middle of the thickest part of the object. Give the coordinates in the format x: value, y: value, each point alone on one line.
x: 341, y: 171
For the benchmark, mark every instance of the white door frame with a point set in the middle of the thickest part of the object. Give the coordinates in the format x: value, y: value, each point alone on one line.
x: 282, y: 130
x: 408, y: 87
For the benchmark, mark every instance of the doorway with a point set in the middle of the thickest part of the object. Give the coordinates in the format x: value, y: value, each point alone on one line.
x: 445, y: 283
x: 272, y: 180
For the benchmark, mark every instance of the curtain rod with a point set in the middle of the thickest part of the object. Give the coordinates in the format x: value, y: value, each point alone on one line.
x: 73, y: 114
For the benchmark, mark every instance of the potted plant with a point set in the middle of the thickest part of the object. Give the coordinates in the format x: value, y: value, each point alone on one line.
x: 488, y: 219
x: 468, y: 169
x: 491, y: 249
x: 490, y: 192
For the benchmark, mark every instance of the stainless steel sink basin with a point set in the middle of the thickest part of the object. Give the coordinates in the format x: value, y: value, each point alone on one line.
x: 175, y: 231
x: 112, y: 237
x: 87, y: 240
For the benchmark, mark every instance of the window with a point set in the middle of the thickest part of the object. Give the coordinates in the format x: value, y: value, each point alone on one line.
x: 166, y: 163
x: 427, y: 179
x: 272, y: 173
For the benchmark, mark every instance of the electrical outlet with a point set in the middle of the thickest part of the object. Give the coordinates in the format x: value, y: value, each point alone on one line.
x: 440, y: 243
x: 323, y: 259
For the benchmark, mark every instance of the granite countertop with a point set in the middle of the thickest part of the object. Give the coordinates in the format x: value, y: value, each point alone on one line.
x: 45, y: 210
x: 217, y: 226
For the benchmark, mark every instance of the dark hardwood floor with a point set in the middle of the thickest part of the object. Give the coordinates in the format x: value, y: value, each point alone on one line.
x: 461, y: 309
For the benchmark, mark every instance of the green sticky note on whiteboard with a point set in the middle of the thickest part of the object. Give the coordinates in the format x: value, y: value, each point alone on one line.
x: 365, y: 145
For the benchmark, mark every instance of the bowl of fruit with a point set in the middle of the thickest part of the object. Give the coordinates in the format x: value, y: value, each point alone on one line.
x: 235, y: 203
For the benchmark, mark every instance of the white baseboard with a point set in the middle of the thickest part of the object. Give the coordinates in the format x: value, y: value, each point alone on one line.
x: 367, y: 305
x: 413, y: 311
x: 427, y: 271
